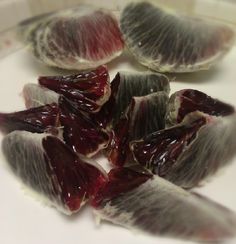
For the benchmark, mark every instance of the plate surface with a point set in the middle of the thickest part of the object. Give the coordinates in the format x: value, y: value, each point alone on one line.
x: 25, y: 220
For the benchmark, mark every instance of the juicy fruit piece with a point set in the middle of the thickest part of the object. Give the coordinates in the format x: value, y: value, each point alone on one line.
x: 123, y: 87
x: 171, y: 42
x: 186, y: 101
x: 191, y: 151
x: 143, y: 116
x: 49, y: 167
x: 161, y: 149
x: 120, y: 181
x: 77, y: 39
x: 79, y: 131
x: 37, y: 119
x: 89, y: 89
x: 35, y: 96
x: 128, y: 85
x: 139, y: 201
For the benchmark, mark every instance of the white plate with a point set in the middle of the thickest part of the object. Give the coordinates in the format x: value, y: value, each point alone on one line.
x: 24, y: 220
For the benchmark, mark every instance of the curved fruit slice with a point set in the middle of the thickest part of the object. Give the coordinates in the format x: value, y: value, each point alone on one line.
x: 143, y: 116
x: 35, y: 96
x: 49, y: 167
x: 78, y: 38
x: 89, y: 89
x: 171, y: 42
x: 189, y: 152
x: 154, y: 205
x: 79, y: 131
x: 128, y: 85
x: 186, y: 101
x: 34, y: 120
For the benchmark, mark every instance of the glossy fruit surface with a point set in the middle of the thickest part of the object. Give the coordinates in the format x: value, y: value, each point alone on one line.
x: 48, y: 166
x: 89, y: 89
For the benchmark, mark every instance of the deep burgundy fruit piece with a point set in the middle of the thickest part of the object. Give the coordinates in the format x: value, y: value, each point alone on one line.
x: 89, y: 89
x: 160, y: 150
x: 186, y: 101
x: 80, y: 132
x: 37, y: 119
x: 51, y: 168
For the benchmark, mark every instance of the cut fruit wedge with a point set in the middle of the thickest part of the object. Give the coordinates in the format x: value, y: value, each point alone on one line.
x: 186, y: 101
x: 44, y: 163
x: 89, y: 89
x: 78, y: 38
x: 37, y: 119
x: 166, y: 41
x: 143, y: 116
x: 153, y: 205
x: 191, y: 151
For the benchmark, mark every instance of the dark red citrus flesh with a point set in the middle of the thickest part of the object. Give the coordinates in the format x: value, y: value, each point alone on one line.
x: 76, y: 178
x: 120, y: 180
x: 105, y: 115
x: 143, y: 116
x: 159, y: 151
x: 88, y: 89
x: 193, y: 100
x: 34, y: 120
x: 123, y: 88
x: 79, y: 131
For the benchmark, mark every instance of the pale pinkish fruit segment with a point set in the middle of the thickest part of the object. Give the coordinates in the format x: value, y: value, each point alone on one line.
x: 36, y: 95
x: 78, y: 38
x: 169, y: 41
x: 139, y: 201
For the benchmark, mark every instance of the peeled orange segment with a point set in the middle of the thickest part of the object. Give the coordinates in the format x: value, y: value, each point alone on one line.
x: 89, y: 89
x: 186, y: 101
x: 36, y: 95
x: 172, y: 42
x: 78, y: 38
x: 48, y: 166
x: 143, y: 116
x: 191, y: 151
x: 37, y: 119
x: 82, y: 134
x: 127, y: 85
x: 153, y: 205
